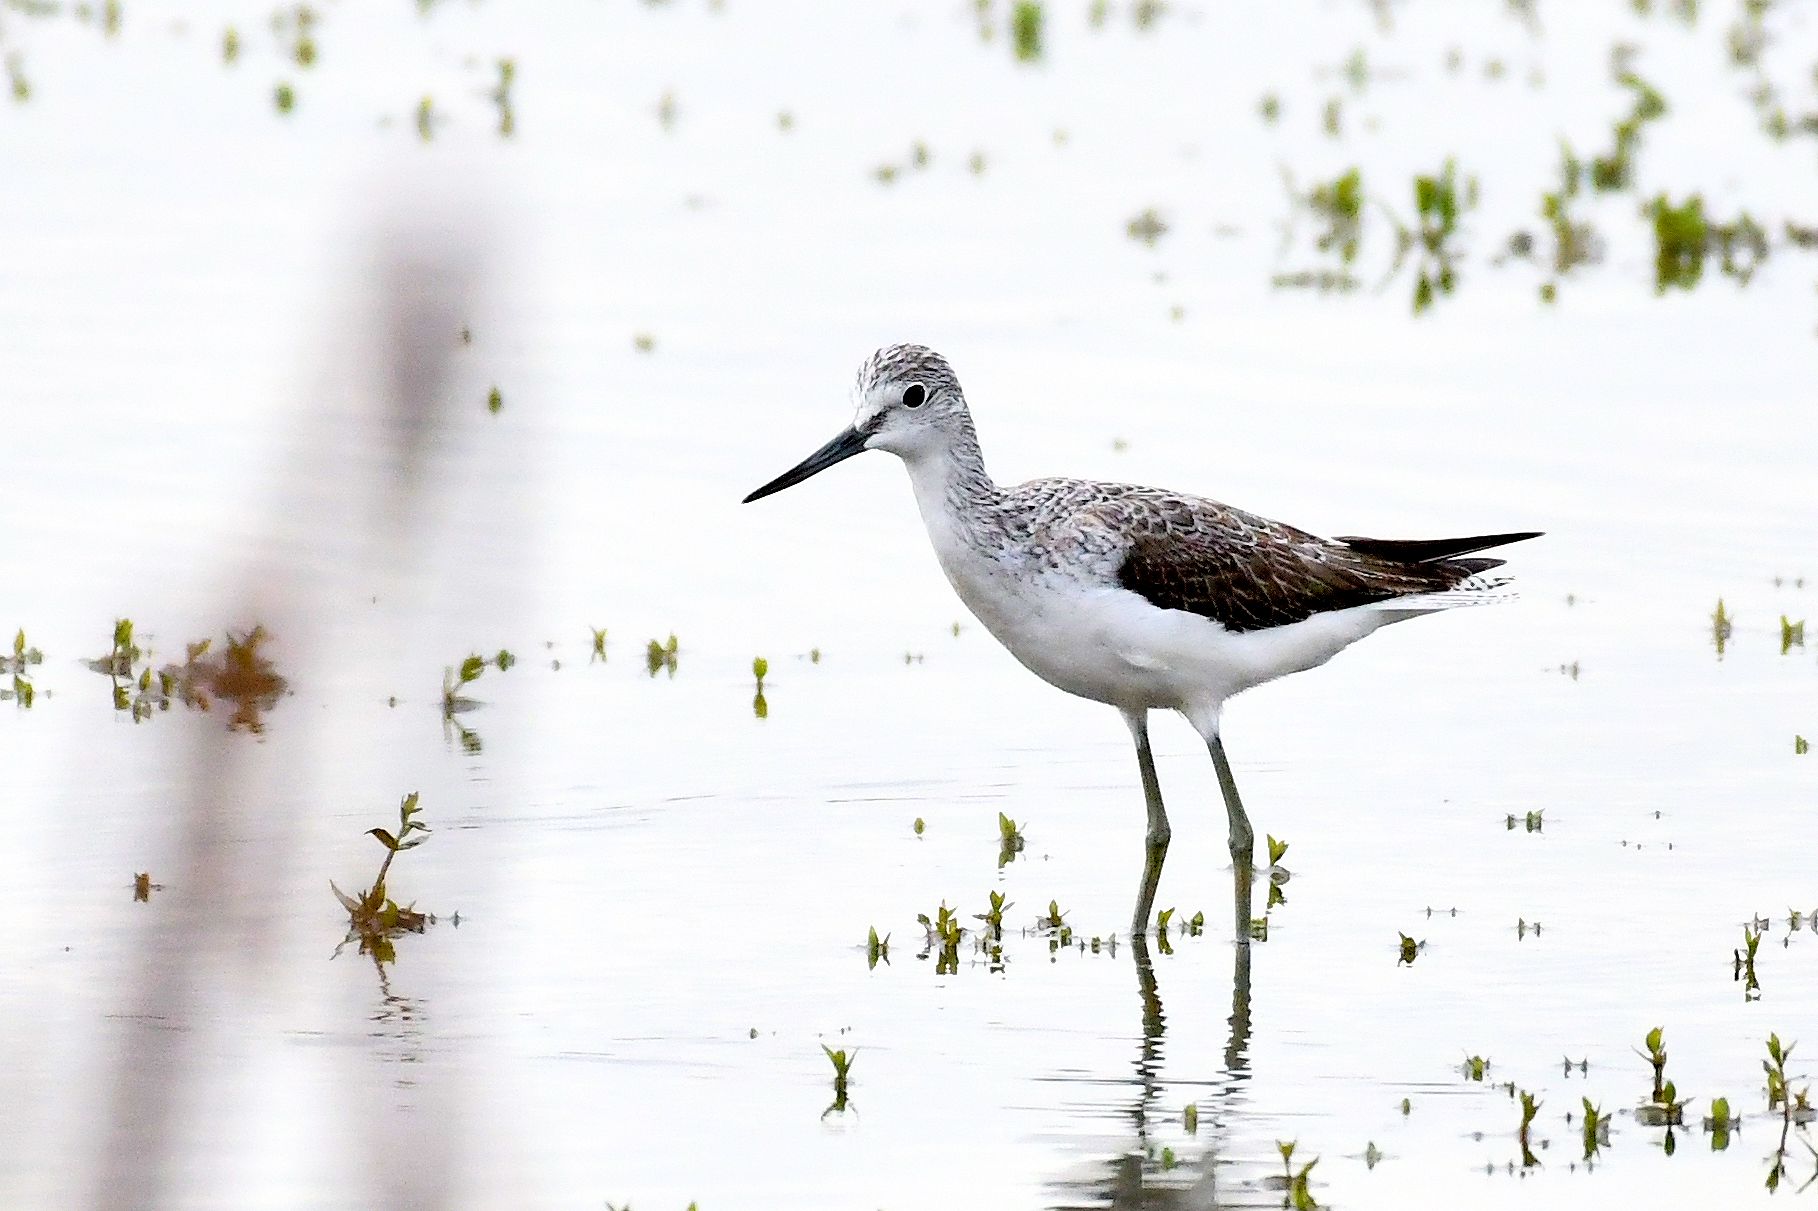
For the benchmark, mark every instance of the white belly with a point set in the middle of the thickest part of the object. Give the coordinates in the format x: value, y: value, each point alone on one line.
x: 1110, y: 645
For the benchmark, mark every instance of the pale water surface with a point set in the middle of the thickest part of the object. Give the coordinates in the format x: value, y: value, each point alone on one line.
x: 663, y: 899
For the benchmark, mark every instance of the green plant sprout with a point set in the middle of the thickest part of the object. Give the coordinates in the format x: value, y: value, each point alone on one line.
x: 1196, y: 924
x: 501, y: 97
x: 1656, y: 1056
x: 661, y: 656
x: 1530, y: 1106
x: 1744, y: 963
x: 842, y: 1068
x: 1010, y: 840
x: 994, y: 918
x: 1792, y: 634
x: 1595, y: 1129
x: 1026, y: 30
x: 1298, y: 1195
x: 374, y: 917
x: 877, y: 948
x: 759, y: 668
x: 16, y: 666
x: 1801, y: 746
x: 920, y: 826
x: 945, y: 930
x: 1277, y: 850
x: 454, y: 680
x: 1410, y: 949
x: 1474, y: 1067
x: 1161, y: 930
x: 1793, y: 1107
x: 1052, y: 922
x: 599, y: 645
x: 1719, y: 1122
x: 1721, y: 627
x: 1190, y: 1118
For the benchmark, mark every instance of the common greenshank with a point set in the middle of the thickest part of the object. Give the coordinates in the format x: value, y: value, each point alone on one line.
x: 1136, y: 597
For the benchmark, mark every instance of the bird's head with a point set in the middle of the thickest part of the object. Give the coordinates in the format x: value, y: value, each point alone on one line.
x: 909, y: 403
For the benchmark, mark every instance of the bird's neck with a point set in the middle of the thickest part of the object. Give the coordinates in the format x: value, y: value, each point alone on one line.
x: 957, y: 497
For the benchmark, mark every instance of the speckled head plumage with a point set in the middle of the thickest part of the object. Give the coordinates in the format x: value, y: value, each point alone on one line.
x: 907, y: 401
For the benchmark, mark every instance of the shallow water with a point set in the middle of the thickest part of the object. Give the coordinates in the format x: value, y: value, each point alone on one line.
x: 663, y: 899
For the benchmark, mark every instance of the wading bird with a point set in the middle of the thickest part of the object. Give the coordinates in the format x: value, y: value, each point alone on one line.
x: 1137, y: 597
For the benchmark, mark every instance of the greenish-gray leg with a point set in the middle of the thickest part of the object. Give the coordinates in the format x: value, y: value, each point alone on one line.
x: 1156, y: 841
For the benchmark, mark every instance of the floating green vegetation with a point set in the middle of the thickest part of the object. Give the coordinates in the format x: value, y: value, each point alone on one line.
x: 919, y: 155
x: 1533, y: 822
x: 375, y: 920
x: 1616, y: 171
x: 230, y: 45
x: 1679, y: 243
x: 1744, y: 963
x: 1594, y: 1129
x: 785, y: 121
x: 659, y: 657
x: 976, y: 164
x: 426, y: 118
x: 1010, y: 840
x: 919, y: 826
x: 18, y: 666
x: 842, y: 1069
x: 944, y: 932
x: 1026, y: 22
x: 759, y: 667
x: 1146, y: 228
x: 1656, y: 1057
x: 1436, y: 206
x: 1189, y: 1118
x: 1409, y: 950
x: 1721, y: 626
x: 1530, y: 1106
x: 1269, y: 107
x: 1474, y: 1067
x: 122, y: 655
x: 877, y: 948
x: 667, y: 110
x: 454, y: 680
x: 284, y: 97
x: 494, y: 401
x: 1339, y: 204
x: 501, y: 97
x: 1294, y: 1182
x: 644, y: 342
x: 1794, y: 1106
x: 1792, y: 634
x: 1801, y: 746
x: 599, y: 645
x: 15, y: 75
x: 759, y: 707
x: 1719, y: 1122
x: 886, y: 174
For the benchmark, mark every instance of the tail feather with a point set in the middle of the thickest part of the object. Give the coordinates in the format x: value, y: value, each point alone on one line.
x: 1431, y: 550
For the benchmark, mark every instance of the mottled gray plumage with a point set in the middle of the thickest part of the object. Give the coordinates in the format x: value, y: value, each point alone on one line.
x: 1179, y: 552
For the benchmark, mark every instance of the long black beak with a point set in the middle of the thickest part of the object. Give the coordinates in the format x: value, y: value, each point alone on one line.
x: 838, y: 450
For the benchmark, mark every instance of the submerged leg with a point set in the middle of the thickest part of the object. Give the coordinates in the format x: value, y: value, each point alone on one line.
x: 1156, y: 842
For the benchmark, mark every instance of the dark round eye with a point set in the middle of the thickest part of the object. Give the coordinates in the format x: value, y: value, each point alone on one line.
x: 914, y: 395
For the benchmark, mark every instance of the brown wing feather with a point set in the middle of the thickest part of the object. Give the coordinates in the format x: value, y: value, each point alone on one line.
x: 1247, y: 572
